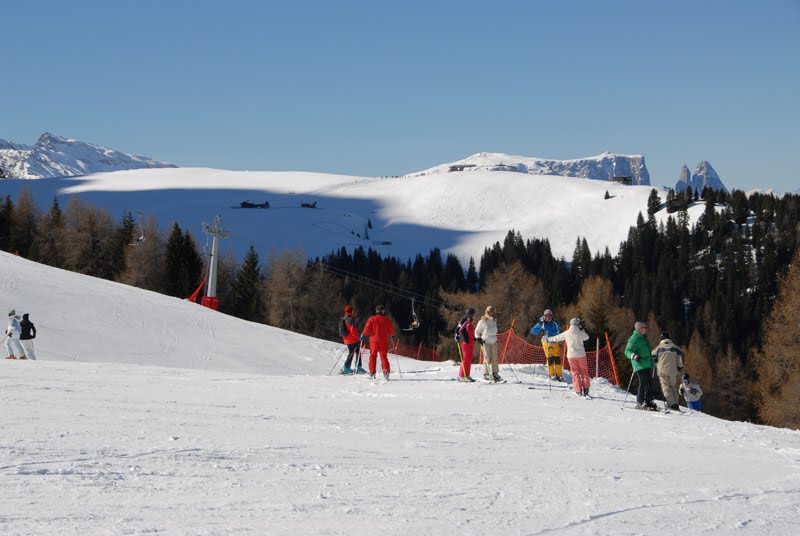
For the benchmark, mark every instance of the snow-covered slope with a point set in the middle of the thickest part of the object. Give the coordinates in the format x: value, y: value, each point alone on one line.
x: 56, y: 156
x: 460, y: 213
x: 603, y: 167
x: 255, y: 438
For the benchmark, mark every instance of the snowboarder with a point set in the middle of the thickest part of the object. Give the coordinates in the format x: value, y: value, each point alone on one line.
x: 669, y: 360
x: 691, y: 392
x: 379, y: 329
x: 552, y: 351
x: 352, y: 340
x: 27, y: 334
x: 465, y: 339
x: 638, y: 351
x: 486, y: 336
x: 576, y: 353
x: 12, y: 336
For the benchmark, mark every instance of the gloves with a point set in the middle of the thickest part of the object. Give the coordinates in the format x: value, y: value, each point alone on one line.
x: 680, y: 369
x: 479, y: 340
x: 635, y: 357
x: 361, y: 337
x: 542, y: 320
x: 655, y: 360
x: 544, y: 338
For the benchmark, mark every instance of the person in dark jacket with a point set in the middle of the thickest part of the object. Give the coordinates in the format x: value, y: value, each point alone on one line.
x: 26, y: 336
x: 351, y: 339
x: 465, y: 339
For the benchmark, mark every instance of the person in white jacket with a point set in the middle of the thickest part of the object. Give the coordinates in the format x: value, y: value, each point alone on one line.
x: 12, y: 336
x: 486, y: 335
x: 575, y: 337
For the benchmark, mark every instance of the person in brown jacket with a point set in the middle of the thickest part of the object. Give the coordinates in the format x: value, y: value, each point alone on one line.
x: 669, y: 364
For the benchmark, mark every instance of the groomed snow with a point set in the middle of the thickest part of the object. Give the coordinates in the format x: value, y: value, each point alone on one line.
x: 150, y: 415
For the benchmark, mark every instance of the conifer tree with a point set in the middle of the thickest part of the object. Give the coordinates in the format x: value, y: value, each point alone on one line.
x: 247, y: 289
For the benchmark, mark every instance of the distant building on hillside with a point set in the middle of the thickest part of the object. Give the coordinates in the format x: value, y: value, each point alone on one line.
x: 626, y: 180
x: 460, y: 167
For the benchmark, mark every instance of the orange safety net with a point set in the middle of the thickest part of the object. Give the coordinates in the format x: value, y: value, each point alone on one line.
x: 420, y: 353
x: 514, y: 350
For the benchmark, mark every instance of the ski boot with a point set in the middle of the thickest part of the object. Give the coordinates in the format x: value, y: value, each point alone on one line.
x: 361, y: 370
x: 487, y: 377
x: 346, y: 370
x: 496, y: 377
x: 386, y: 376
x: 371, y: 376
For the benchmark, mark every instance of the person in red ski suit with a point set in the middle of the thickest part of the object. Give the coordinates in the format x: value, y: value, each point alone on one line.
x: 465, y: 338
x: 379, y: 329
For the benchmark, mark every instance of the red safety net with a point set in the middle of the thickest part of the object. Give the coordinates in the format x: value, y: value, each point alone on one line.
x: 420, y: 353
x: 514, y: 350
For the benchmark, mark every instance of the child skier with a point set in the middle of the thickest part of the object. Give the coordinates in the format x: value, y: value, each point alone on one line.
x: 552, y: 351
x: 691, y: 392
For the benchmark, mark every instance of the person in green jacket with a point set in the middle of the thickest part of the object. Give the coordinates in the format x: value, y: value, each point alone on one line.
x: 638, y: 351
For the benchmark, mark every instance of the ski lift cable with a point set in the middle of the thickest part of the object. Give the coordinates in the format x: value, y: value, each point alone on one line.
x: 388, y: 288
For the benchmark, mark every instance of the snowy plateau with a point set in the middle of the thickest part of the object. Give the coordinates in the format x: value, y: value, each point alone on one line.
x: 146, y: 414
x: 460, y: 213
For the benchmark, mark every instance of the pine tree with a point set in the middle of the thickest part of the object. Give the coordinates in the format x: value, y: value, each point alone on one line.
x: 23, y: 225
x: 248, y: 302
x: 6, y: 223
x: 46, y: 247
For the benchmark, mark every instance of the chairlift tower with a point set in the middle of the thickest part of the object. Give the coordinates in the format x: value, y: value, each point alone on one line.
x: 210, y: 300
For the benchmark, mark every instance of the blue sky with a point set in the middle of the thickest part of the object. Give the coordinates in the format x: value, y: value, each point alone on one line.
x: 386, y: 88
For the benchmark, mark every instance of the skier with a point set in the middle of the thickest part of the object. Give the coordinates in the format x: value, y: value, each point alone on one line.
x: 352, y: 340
x: 465, y: 339
x: 576, y: 353
x: 691, y: 392
x: 638, y: 351
x: 379, y: 329
x: 552, y: 351
x: 27, y: 334
x: 12, y: 336
x: 486, y: 336
x: 669, y: 362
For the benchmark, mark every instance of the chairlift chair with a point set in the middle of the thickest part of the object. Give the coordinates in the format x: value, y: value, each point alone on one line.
x: 415, y: 323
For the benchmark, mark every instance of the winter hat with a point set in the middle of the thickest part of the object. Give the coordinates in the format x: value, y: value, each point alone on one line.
x: 12, y: 312
x: 664, y: 335
x: 379, y: 309
x: 575, y: 322
x: 470, y: 312
x: 685, y: 378
x: 547, y: 312
x: 348, y: 308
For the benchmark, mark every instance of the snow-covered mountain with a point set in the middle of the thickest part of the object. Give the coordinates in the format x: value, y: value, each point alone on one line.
x: 460, y: 213
x: 56, y: 156
x: 604, y: 167
x: 704, y: 175
x: 146, y: 414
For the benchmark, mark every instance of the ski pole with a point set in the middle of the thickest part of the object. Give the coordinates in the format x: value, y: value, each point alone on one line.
x: 627, y: 391
x: 397, y: 359
x: 337, y: 360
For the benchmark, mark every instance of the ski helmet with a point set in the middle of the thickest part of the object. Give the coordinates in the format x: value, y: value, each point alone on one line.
x: 470, y: 312
x: 664, y: 335
x: 685, y: 378
x: 575, y: 322
x: 547, y: 312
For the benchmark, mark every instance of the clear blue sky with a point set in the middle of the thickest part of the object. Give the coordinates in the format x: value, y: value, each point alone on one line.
x: 383, y: 88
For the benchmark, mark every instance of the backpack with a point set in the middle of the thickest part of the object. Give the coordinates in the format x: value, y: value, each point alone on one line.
x: 457, y: 330
x: 343, y: 326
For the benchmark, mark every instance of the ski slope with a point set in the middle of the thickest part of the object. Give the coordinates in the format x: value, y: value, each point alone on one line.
x: 150, y: 415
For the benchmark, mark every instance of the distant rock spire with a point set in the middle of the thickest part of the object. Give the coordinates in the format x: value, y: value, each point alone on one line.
x: 704, y: 175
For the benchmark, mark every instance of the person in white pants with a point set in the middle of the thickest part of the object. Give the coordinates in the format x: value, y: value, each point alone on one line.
x: 12, y: 337
x: 26, y: 336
